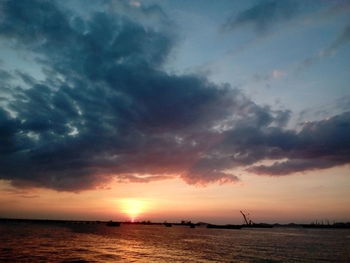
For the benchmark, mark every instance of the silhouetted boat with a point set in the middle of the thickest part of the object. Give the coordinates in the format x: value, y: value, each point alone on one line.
x: 111, y: 223
x: 224, y: 226
x: 168, y: 224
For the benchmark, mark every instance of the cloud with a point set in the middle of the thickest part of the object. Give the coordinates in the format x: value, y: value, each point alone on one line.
x: 342, y: 39
x: 273, y: 75
x: 4, y: 75
x: 276, y: 74
x: 319, y: 145
x: 144, y: 14
x: 106, y: 110
x: 336, y: 8
x: 19, y: 193
x: 263, y: 16
x: 323, y: 111
x: 135, y: 3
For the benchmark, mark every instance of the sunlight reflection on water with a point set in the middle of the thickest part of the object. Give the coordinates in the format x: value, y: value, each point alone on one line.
x: 29, y: 242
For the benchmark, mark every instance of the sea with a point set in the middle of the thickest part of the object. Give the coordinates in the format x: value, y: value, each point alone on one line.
x: 81, y: 243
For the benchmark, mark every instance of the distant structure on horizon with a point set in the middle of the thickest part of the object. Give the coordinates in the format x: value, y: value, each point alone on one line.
x: 250, y: 223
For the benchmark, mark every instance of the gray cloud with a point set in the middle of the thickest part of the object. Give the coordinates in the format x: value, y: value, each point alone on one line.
x: 106, y: 110
x: 319, y: 145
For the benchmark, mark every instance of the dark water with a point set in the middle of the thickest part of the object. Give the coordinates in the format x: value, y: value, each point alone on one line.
x: 29, y: 242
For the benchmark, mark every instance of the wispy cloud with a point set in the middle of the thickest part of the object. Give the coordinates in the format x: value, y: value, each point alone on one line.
x: 263, y: 16
x: 342, y: 39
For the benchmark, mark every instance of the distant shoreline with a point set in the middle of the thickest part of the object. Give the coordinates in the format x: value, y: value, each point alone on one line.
x: 336, y: 225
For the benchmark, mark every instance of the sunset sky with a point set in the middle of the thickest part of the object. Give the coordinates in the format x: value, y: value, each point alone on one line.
x: 175, y: 110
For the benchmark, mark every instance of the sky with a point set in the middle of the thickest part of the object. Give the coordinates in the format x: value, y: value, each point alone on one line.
x: 175, y: 110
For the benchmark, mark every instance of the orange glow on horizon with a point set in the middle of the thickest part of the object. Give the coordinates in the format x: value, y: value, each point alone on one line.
x: 300, y: 198
x: 133, y: 208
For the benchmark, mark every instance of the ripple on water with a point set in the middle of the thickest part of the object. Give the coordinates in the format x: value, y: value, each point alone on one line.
x: 137, y: 243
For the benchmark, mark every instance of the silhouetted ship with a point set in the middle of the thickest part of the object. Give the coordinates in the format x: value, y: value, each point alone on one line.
x: 224, y: 226
x: 111, y: 223
x: 168, y: 224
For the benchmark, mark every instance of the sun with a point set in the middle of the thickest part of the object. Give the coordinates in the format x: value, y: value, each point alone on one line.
x: 132, y: 207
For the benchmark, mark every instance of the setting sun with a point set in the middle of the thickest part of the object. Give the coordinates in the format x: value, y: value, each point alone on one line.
x: 174, y: 131
x: 133, y: 207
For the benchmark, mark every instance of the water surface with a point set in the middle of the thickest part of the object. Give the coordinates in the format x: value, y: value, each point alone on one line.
x: 33, y: 242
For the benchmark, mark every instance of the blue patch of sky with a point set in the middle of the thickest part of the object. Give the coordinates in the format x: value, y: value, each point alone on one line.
x: 238, y: 57
x: 15, y: 59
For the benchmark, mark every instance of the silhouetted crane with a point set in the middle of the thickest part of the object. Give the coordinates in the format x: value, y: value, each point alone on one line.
x: 246, y: 219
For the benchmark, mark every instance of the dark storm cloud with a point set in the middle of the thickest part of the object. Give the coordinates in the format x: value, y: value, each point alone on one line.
x: 263, y: 16
x: 107, y: 110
